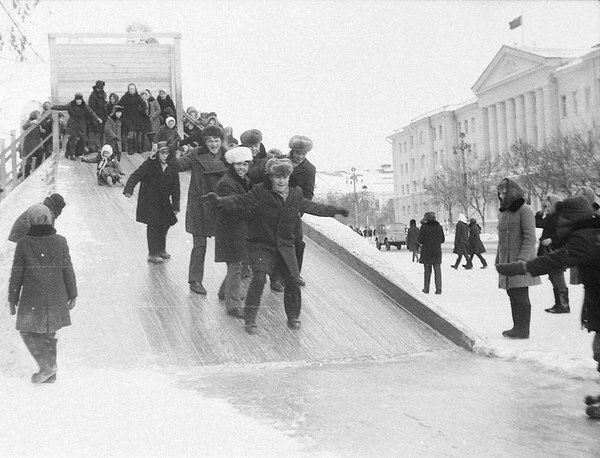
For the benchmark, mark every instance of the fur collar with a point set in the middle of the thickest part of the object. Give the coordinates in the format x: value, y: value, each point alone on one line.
x: 42, y: 230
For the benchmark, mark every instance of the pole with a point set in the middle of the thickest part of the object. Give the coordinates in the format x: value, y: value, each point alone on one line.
x: 355, y: 197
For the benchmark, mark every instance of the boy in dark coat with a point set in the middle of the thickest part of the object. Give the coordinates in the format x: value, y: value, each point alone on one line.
x: 231, y: 232
x: 158, y: 201
x: 43, y: 289
x: 207, y: 166
x: 577, y: 243
x: 273, y: 208
x: 431, y: 237
x: 55, y: 202
x: 475, y: 245
x: 461, y: 242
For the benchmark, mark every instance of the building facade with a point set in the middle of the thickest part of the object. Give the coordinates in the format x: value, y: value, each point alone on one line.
x: 529, y: 94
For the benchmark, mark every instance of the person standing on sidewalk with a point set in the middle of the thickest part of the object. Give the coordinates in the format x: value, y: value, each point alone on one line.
x: 546, y: 220
x: 475, y: 245
x: 42, y: 289
x: 461, y: 242
x: 431, y: 237
x: 576, y: 243
x: 412, y: 240
x: 516, y: 242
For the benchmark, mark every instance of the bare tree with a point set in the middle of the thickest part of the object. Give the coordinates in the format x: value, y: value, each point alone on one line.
x: 12, y: 37
x: 482, y: 179
x: 140, y: 27
x: 442, y: 190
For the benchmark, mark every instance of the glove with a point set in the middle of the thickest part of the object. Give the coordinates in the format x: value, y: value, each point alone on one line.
x: 212, y: 197
x: 343, y: 212
x: 512, y: 268
x: 71, y: 303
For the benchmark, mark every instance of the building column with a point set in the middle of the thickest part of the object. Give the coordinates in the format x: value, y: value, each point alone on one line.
x: 511, y: 127
x: 539, y: 117
x: 484, y: 132
x: 520, y: 117
x: 530, y: 117
x: 501, y: 120
x: 551, y: 110
x: 493, y: 131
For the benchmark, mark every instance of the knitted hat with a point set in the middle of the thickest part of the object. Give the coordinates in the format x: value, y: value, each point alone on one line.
x: 301, y: 143
x: 238, y: 154
x: 169, y: 119
x: 472, y: 221
x: 279, y: 167
x: 251, y: 137
x: 429, y: 216
x: 162, y: 146
x: 78, y: 95
x: 213, y: 131
x: 55, y: 203
x: 106, y: 149
x: 38, y: 215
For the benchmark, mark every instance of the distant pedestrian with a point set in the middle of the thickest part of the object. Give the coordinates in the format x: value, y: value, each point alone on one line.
x: 461, y: 242
x: 412, y: 240
x: 42, y: 289
x: 575, y: 244
x: 431, y: 237
x: 516, y: 242
x: 55, y: 203
x: 476, y: 247
x: 32, y: 157
x: 97, y: 103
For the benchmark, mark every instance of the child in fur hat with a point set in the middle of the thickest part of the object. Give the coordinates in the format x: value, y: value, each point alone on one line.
x: 272, y: 209
x: 109, y: 170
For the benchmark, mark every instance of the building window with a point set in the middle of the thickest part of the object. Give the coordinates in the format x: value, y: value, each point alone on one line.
x: 474, y: 150
x: 408, y: 209
x: 423, y: 161
x: 472, y: 124
x: 435, y: 158
x: 466, y: 126
x: 588, y: 98
x: 441, y: 156
x: 412, y: 142
x: 563, y: 105
x: 433, y: 133
x: 406, y: 168
x: 414, y: 186
x: 405, y: 148
x: 440, y: 127
x: 403, y: 209
x: 421, y: 138
x: 459, y: 127
x: 412, y: 164
x: 574, y: 102
x: 416, y: 211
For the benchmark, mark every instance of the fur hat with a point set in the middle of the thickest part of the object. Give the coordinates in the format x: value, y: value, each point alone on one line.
x: 238, y: 154
x: 162, y: 146
x: 276, y: 153
x: 33, y: 115
x: 301, y: 143
x: 99, y: 84
x: 106, y: 149
x: 279, y: 167
x: 78, y: 95
x: 213, y: 131
x: 462, y: 218
x: 429, y: 216
x: 472, y: 221
x: 251, y: 137
x: 38, y: 215
x: 55, y: 202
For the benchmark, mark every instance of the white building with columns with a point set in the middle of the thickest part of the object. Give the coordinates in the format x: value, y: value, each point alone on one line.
x: 532, y: 94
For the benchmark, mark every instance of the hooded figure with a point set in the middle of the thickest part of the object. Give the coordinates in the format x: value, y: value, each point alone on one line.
x: 461, y: 242
x: 516, y: 242
x: 54, y: 202
x: 113, y: 131
x: 412, y: 240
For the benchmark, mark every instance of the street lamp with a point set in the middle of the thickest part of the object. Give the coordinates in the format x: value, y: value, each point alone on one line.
x: 463, y: 146
x: 354, y: 178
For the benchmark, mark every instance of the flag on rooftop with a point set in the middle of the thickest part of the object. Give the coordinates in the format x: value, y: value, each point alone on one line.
x: 516, y: 22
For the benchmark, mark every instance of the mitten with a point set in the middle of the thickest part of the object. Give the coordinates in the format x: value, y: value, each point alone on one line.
x: 212, y: 197
x: 343, y: 212
x: 512, y: 268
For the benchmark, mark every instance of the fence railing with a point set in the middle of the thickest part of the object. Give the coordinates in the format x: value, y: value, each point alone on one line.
x: 12, y: 160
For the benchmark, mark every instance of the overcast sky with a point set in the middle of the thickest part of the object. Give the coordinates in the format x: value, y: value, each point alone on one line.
x: 346, y: 73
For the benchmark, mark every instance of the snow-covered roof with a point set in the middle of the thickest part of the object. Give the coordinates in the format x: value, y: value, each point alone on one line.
x: 553, y: 52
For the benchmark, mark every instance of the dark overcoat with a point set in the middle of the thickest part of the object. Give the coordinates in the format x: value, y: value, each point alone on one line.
x: 32, y: 139
x: 231, y: 231
x: 207, y: 169
x: 412, y: 238
x: 304, y: 176
x: 171, y: 136
x: 97, y: 103
x: 154, y: 114
x: 158, y: 199
x: 461, y: 239
x: 581, y: 248
x: 431, y: 237
x: 112, y: 130
x: 79, y: 116
x: 131, y: 118
x: 475, y: 243
x: 145, y: 122
x: 271, y: 224
x: 165, y: 103
x: 42, y: 280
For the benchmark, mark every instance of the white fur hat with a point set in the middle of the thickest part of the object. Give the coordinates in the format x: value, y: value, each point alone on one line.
x: 169, y: 119
x: 108, y: 149
x: 238, y: 154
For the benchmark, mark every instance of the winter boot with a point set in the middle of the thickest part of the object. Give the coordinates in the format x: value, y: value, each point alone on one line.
x: 593, y: 411
x: 562, y: 302
x: 43, y: 350
x: 591, y: 400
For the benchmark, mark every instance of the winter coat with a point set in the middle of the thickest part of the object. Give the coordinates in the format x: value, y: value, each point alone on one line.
x: 272, y: 222
x: 207, y: 170
x: 581, y: 248
x: 461, y: 239
x: 257, y: 171
x: 412, y: 238
x: 97, y: 103
x: 145, y: 123
x: 112, y: 130
x: 304, y: 177
x: 516, y: 236
x: 131, y: 117
x: 109, y: 163
x: 42, y: 280
x: 165, y: 103
x: 79, y: 117
x: 154, y: 114
x: 110, y: 105
x: 475, y: 244
x: 171, y: 136
x: 431, y: 237
x: 548, y: 225
x: 194, y: 137
x: 32, y: 139
x: 158, y: 199
x: 231, y: 232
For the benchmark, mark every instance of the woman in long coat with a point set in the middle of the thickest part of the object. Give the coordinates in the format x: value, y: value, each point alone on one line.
x: 476, y: 247
x: 158, y: 201
x: 273, y: 209
x: 131, y: 103
x: 461, y: 242
x: 431, y: 237
x: 79, y: 115
x: 154, y: 111
x: 43, y: 289
x: 516, y: 242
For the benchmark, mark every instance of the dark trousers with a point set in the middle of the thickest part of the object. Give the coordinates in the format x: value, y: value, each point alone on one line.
x: 437, y: 275
x: 157, y: 239
x: 196, y: 271
x: 292, y: 299
x: 481, y: 258
x: 75, y: 146
x: 559, y: 287
x: 596, y: 348
x: 43, y: 349
x: 299, y: 243
x: 520, y: 308
x: 467, y: 258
